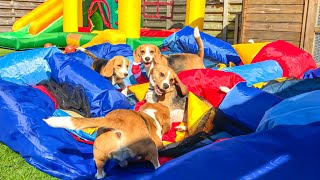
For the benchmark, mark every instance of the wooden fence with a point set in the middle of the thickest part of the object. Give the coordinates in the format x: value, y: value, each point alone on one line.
x: 11, y: 10
x: 220, y: 17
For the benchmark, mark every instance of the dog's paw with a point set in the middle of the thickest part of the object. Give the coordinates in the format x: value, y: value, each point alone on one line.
x: 80, y: 49
x: 123, y: 163
x: 100, y: 176
x: 224, y: 89
x: 181, y: 128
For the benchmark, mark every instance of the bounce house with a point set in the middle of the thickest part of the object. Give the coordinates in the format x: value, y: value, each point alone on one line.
x: 90, y: 22
x: 266, y: 127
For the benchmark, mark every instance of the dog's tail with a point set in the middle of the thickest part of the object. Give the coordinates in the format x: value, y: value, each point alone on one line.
x: 75, y: 123
x: 224, y: 89
x: 88, y: 53
x: 196, y: 34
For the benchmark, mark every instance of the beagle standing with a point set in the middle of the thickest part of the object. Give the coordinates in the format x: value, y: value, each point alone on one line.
x: 150, y: 55
x: 115, y: 69
x: 123, y: 134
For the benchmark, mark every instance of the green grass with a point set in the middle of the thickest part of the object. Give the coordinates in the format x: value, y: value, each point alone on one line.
x: 5, y: 51
x: 13, y: 166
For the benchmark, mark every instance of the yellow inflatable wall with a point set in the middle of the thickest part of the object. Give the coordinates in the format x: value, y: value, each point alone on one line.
x: 195, y: 11
x: 70, y: 15
x: 129, y: 12
x: 248, y: 51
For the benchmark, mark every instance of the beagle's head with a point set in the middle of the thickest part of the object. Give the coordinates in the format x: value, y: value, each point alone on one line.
x: 147, y: 53
x: 164, y: 80
x: 118, y: 66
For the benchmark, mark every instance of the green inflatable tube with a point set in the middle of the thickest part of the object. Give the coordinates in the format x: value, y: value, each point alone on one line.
x: 134, y: 43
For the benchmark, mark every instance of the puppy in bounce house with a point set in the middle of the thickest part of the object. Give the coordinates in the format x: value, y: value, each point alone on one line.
x: 117, y: 135
x: 149, y: 55
x: 115, y: 69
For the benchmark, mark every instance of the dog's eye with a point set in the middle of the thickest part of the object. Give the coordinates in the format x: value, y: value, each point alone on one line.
x: 161, y: 75
x: 142, y: 52
x: 151, y: 52
x: 119, y: 65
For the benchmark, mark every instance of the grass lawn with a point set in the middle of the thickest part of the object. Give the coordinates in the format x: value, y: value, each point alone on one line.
x: 13, y: 166
x: 5, y: 51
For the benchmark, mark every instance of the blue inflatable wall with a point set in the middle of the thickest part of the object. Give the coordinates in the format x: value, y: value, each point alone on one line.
x: 257, y: 72
x: 244, y: 108
x: 292, y: 87
x: 183, y: 41
x: 298, y: 110
x: 27, y: 67
x: 102, y: 96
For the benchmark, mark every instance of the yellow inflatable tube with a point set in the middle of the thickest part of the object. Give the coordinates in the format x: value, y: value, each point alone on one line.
x: 112, y: 36
x: 129, y: 12
x: 44, y: 21
x: 195, y: 11
x: 35, y: 14
x: 70, y: 15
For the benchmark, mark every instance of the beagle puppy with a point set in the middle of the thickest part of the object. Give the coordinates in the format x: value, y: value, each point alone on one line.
x: 166, y: 88
x: 123, y: 134
x: 115, y: 69
x: 150, y: 55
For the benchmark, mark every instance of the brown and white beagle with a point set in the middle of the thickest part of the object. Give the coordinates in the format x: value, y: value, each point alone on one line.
x: 166, y: 88
x: 150, y: 55
x: 123, y: 134
x: 115, y: 69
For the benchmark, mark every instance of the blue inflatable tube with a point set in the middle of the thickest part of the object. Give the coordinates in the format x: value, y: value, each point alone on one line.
x: 315, y: 73
x: 257, y: 72
x: 27, y: 67
x: 298, y: 110
x: 244, y: 108
x: 102, y: 96
x: 214, y: 48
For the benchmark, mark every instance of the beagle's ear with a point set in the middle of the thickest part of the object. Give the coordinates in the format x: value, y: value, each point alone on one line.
x: 137, y: 55
x: 158, y: 56
x: 183, y: 89
x: 108, y: 69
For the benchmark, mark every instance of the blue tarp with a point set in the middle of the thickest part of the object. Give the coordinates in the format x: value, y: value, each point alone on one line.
x: 310, y: 74
x: 27, y: 67
x: 292, y: 87
x: 244, y: 108
x: 257, y: 72
x: 183, y: 41
x: 286, y: 152
x: 102, y: 96
x: 298, y: 110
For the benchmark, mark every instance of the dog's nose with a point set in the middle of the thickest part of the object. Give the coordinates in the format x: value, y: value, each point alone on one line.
x: 165, y: 86
x: 125, y: 74
x: 147, y: 58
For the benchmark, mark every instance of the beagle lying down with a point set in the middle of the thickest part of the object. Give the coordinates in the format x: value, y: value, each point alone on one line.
x: 115, y: 70
x: 150, y: 55
x: 123, y: 134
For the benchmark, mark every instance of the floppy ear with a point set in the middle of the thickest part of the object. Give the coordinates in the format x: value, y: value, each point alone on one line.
x: 108, y: 69
x: 137, y: 55
x: 183, y: 89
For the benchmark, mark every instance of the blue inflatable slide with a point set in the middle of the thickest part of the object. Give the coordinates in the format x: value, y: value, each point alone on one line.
x: 270, y: 136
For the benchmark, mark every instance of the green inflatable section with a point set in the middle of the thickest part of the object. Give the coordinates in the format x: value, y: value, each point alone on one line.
x: 134, y: 43
x: 53, y: 34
